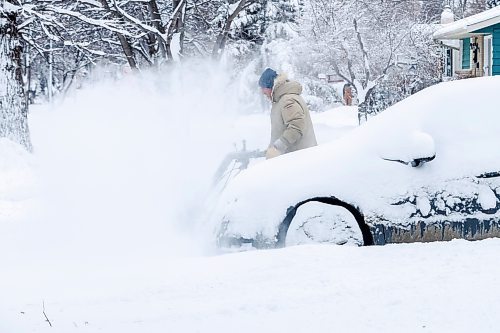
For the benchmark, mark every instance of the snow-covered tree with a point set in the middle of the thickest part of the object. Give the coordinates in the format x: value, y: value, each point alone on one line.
x: 13, y: 98
x: 357, y: 40
x: 243, y: 24
x: 464, y: 8
x: 431, y: 10
x: 234, y: 20
x: 83, y: 32
x: 44, y: 27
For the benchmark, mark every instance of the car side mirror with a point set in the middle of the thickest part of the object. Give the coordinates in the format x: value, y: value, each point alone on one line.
x: 414, y: 149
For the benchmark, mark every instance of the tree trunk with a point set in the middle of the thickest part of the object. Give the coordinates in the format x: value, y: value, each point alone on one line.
x: 13, y: 106
x: 156, y: 45
x: 127, y: 48
x: 175, y: 25
x: 179, y: 26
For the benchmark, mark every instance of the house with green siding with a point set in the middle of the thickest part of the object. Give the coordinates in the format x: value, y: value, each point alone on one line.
x: 472, y: 45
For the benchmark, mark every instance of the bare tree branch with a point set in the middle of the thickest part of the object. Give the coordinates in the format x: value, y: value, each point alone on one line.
x: 45, y: 315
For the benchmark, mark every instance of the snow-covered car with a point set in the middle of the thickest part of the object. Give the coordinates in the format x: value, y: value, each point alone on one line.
x: 426, y: 169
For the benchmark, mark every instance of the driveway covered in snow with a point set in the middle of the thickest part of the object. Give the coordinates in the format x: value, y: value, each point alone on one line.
x: 437, y: 287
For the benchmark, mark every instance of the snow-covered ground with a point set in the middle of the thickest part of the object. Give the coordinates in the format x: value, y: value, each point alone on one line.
x: 437, y: 287
x: 98, y: 233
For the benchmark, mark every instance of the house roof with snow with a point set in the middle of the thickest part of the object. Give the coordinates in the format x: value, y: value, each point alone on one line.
x: 465, y: 27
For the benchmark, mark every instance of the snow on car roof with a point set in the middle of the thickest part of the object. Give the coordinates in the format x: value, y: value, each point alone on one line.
x: 461, y: 118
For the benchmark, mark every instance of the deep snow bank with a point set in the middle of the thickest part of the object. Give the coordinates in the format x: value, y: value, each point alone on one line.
x: 437, y: 287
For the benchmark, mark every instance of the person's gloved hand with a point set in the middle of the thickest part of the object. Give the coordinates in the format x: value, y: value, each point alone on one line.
x: 272, y: 152
x: 278, y: 148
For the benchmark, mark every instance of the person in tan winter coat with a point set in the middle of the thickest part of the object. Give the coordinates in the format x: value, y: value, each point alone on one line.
x: 291, y: 125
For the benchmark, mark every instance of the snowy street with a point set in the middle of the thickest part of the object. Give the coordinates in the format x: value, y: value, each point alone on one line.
x: 437, y: 287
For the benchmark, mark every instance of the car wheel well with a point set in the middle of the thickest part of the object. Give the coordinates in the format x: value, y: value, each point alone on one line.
x: 291, y: 211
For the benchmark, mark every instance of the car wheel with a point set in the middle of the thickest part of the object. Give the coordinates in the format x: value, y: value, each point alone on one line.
x: 318, y: 222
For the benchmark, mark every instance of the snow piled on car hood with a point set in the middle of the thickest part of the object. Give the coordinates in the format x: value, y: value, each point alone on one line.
x: 455, y: 120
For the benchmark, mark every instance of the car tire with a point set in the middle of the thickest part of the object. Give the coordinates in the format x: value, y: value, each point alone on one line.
x: 319, y: 222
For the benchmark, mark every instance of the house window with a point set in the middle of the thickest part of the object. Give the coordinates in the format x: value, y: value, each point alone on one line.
x: 448, y: 66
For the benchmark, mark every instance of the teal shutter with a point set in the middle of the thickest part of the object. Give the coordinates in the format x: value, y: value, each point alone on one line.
x: 496, y: 52
x: 466, y: 53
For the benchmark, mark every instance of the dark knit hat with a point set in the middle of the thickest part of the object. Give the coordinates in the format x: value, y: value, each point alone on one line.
x: 267, y: 78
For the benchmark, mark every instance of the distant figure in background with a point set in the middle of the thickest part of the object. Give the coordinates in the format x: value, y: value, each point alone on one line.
x: 347, y: 94
x: 291, y: 125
